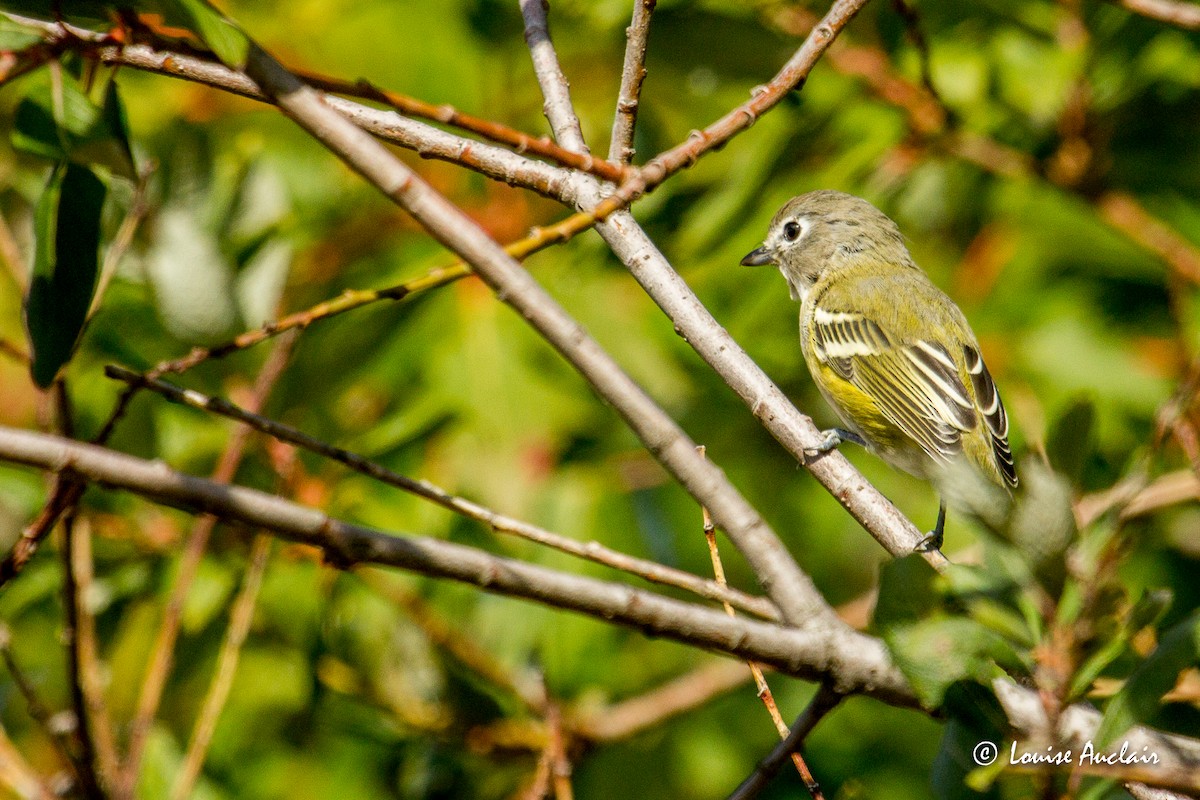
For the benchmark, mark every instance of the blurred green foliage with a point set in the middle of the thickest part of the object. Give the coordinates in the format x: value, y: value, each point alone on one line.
x: 338, y: 691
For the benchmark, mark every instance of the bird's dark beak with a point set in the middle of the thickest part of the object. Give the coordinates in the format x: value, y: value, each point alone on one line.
x: 756, y: 258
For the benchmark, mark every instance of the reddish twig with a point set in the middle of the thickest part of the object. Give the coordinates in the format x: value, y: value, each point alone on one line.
x: 519, y: 141
x: 760, y: 680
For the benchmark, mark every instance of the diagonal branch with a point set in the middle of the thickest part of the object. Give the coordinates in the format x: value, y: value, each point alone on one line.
x: 559, y: 110
x: 519, y: 141
x: 793, y: 591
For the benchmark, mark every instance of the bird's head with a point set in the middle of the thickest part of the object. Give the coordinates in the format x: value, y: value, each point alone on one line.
x: 826, y: 230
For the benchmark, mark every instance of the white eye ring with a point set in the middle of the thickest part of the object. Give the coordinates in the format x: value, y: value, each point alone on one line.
x: 793, y: 230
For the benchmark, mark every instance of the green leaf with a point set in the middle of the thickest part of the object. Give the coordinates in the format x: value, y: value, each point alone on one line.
x: 934, y: 654
x: 221, y: 35
x: 65, y: 269
x: 1042, y: 525
x: 1141, y: 696
x: 961, y: 769
x: 1070, y: 439
x: 60, y: 122
x: 1148, y: 610
x: 906, y: 591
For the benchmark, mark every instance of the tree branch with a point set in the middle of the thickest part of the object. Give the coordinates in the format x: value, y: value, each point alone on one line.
x: 426, y: 140
x: 633, y: 72
x: 1184, y: 15
x: 592, y: 551
x: 559, y: 110
x: 853, y: 661
x: 793, y: 591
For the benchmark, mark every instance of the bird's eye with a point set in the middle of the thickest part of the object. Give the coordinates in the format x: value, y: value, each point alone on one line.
x: 791, y: 231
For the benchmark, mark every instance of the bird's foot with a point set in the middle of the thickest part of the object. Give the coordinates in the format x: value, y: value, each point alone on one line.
x: 833, y: 438
x: 931, y: 542
x: 933, y: 539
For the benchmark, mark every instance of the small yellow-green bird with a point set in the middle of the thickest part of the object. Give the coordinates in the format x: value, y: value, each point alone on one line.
x: 890, y: 352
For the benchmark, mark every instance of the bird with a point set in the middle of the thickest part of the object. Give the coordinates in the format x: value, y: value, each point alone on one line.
x: 891, y: 353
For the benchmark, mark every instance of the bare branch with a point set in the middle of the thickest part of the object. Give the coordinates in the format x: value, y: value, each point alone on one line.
x: 559, y: 110
x: 1175, y: 12
x: 793, y: 591
x: 857, y: 663
x: 1177, y: 764
x: 763, y: 99
x: 633, y: 72
x: 592, y: 551
x: 426, y: 140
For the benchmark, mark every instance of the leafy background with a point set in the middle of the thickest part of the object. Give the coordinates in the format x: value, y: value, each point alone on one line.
x: 337, y: 686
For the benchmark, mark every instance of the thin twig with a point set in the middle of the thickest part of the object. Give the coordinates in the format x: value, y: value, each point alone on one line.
x: 760, y: 680
x: 218, y: 691
x: 64, y: 494
x: 161, y: 654
x: 537, y: 240
x: 633, y: 73
x: 825, y: 700
x: 592, y: 551
x: 90, y: 677
x: 58, y: 734
x: 559, y: 110
x: 763, y: 99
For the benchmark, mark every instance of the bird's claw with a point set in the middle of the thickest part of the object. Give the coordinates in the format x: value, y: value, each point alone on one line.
x: 833, y: 438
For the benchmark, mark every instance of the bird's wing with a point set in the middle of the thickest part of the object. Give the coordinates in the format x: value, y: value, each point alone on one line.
x: 915, y: 384
x: 987, y: 400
